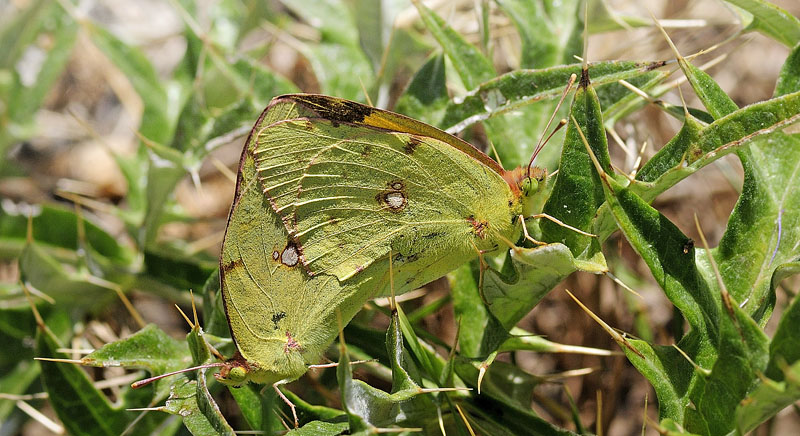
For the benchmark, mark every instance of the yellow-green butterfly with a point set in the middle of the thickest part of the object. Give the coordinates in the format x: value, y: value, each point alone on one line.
x: 327, y: 190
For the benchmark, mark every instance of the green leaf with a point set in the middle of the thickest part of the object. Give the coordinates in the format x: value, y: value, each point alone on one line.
x: 723, y: 336
x: 514, y: 135
x: 526, y: 276
x: 337, y: 59
x: 789, y: 78
x: 169, y: 265
x: 76, y: 289
x: 472, y: 66
x: 257, y: 406
x: 767, y: 399
x: 193, y: 403
x: 426, y: 95
x: 369, y: 408
x: 550, y: 34
x: 149, y: 348
x: 214, y: 318
x: 82, y: 409
x: 42, y: 41
x: 699, y: 146
x: 578, y: 192
x: 56, y: 229
x: 785, y: 346
x: 320, y: 428
x: 764, y: 228
x: 770, y: 20
x: 516, y: 90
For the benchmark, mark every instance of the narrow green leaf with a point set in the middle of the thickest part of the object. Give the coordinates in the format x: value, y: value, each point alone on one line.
x: 256, y: 408
x: 48, y: 22
x: 426, y: 95
x: 369, y: 408
x: 70, y: 288
x: 472, y: 66
x: 789, y: 78
x: 771, y: 21
x: 785, y: 346
x: 708, y: 91
x: 56, y: 229
x: 82, y: 409
x: 516, y: 89
x: 724, y: 136
x: 320, y: 428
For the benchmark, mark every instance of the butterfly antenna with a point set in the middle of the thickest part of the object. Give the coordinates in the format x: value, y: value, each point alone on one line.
x: 542, y: 141
x: 147, y: 381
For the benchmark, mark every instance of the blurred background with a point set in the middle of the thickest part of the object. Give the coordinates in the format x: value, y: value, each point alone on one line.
x: 72, y: 134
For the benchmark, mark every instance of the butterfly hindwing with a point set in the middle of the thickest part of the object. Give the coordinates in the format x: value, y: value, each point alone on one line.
x: 280, y: 318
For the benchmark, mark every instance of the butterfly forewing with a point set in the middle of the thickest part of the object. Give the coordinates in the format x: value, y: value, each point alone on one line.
x: 350, y: 192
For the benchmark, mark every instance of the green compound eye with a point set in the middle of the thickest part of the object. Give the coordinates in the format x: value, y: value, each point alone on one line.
x: 529, y: 186
x: 237, y: 374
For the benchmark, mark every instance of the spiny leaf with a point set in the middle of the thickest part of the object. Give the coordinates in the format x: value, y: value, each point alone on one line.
x: 577, y: 193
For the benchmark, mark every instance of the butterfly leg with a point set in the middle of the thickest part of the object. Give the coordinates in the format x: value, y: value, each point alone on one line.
x: 288, y: 403
x: 527, y: 235
x: 483, y: 267
x: 560, y: 223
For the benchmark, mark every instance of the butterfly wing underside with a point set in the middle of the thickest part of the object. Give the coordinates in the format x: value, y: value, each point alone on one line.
x: 352, y: 183
x: 280, y: 318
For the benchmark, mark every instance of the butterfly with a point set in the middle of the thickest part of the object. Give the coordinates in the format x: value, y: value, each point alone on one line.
x: 330, y: 195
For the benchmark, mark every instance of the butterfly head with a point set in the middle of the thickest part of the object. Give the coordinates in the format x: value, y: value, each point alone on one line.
x: 527, y: 185
x: 288, y: 364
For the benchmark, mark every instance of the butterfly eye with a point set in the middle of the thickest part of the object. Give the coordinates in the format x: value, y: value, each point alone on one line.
x: 529, y: 186
x: 237, y: 375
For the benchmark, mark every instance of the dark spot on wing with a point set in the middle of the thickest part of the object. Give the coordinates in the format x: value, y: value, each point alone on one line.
x: 277, y: 317
x: 394, y: 198
x: 231, y: 265
x: 411, y: 144
x: 336, y: 110
x: 432, y: 235
x: 290, y: 256
x: 688, y: 245
x: 399, y: 258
